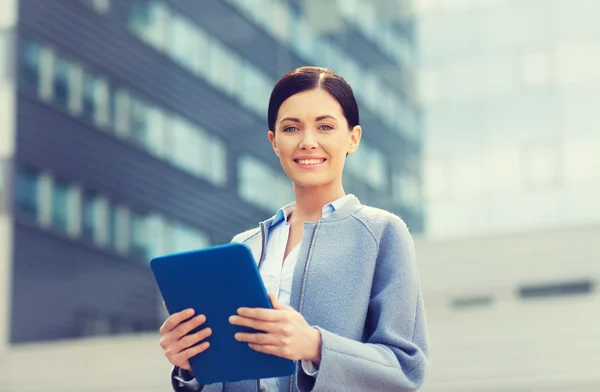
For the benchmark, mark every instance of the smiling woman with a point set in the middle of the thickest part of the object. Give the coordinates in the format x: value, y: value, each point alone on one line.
x: 343, y: 283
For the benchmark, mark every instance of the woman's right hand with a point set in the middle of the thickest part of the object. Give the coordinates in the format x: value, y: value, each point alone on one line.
x: 178, y: 346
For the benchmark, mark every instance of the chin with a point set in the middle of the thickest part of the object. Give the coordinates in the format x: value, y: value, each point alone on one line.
x: 311, y: 181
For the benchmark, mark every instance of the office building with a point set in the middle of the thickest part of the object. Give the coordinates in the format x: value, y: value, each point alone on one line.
x: 134, y: 128
x: 509, y: 94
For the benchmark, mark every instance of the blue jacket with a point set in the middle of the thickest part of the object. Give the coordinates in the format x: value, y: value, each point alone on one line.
x: 356, y: 281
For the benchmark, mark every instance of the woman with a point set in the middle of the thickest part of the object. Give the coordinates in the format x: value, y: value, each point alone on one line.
x: 346, y: 298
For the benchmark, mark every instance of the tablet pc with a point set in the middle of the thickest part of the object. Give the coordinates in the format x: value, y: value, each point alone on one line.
x: 216, y: 282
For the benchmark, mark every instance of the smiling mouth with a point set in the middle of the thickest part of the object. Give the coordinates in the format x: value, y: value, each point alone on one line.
x: 310, y: 161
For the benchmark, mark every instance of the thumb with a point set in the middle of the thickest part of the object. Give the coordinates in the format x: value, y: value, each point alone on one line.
x: 275, y: 302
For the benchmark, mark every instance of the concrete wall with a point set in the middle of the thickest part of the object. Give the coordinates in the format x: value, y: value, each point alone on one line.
x: 508, y: 343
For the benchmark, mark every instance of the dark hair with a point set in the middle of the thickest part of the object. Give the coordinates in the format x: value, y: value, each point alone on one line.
x: 308, y: 78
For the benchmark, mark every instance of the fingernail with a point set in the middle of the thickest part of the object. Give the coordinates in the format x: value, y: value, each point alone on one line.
x: 189, y: 312
x: 237, y: 336
x: 198, y: 318
x: 232, y: 319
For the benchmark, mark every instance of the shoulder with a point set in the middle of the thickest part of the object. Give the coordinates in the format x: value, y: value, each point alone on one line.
x: 380, y: 221
x: 246, y: 235
x: 386, y: 228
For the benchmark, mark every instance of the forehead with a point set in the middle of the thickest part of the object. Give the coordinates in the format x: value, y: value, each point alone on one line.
x: 310, y: 103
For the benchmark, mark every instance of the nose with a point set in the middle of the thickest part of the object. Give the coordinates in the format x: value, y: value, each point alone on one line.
x: 309, y: 141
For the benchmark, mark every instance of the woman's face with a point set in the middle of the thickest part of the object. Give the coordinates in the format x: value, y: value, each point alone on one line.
x: 312, y: 138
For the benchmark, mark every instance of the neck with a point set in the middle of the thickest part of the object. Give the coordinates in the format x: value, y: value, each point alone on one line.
x: 310, y: 200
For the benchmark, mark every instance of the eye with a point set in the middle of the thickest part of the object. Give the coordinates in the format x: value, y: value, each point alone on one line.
x: 326, y: 127
x: 290, y: 129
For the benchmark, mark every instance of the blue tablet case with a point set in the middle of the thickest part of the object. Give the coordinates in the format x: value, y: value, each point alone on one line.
x: 216, y: 282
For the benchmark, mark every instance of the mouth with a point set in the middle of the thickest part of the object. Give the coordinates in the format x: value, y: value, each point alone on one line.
x: 312, y: 162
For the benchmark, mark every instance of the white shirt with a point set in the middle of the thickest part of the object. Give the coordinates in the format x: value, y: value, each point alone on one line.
x: 278, y: 275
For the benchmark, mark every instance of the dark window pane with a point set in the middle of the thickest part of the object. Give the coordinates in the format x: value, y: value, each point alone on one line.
x: 112, y: 226
x: 60, y: 205
x: 27, y: 191
x: 61, y: 81
x: 112, y: 108
x: 88, y: 216
x: 138, y: 236
x: 90, y: 88
x: 30, y: 63
x: 139, y: 122
x: 556, y: 290
x: 472, y: 302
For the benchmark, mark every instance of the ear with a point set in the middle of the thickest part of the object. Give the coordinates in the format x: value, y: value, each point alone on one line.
x: 355, y: 135
x: 273, y: 142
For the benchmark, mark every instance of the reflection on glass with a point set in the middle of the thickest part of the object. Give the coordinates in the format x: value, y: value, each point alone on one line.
x: 89, y: 216
x: 27, y: 189
x: 61, y: 84
x: 60, y: 205
x: 139, y: 236
x: 30, y: 63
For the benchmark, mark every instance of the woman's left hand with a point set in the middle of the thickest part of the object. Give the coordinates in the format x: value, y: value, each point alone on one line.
x: 285, y: 332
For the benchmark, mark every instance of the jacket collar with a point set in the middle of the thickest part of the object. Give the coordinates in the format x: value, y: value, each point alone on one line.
x: 350, y: 207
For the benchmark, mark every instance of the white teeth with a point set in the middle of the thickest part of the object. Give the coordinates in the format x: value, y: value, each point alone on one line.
x: 310, y: 161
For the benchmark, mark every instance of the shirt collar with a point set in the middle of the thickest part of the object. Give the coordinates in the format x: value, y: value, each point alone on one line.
x: 284, y: 212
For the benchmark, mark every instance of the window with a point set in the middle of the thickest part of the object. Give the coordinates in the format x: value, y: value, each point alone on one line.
x: 139, y: 116
x: 90, y: 216
x: 582, y: 287
x: 186, y: 145
x: 407, y: 189
x: 27, y: 192
x: 113, y: 226
x: 61, y: 86
x: 156, y: 135
x: 139, y: 236
x: 149, y: 21
x: 100, y: 6
x: 184, y: 238
x: 31, y: 59
x: 472, y: 302
x: 214, y: 160
x: 182, y: 37
x: 262, y: 185
x: 95, y: 99
x: 120, y: 103
x: 199, y: 52
x: 60, y: 205
x: 369, y: 165
x: 223, y: 67
x: 157, y: 239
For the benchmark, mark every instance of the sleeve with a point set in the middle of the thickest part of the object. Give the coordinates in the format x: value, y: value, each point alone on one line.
x: 394, y: 356
x: 182, y: 381
x: 310, y: 368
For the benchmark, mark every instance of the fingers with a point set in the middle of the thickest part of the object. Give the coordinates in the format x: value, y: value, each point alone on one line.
x: 267, y: 349
x: 181, y: 359
x: 259, y: 325
x: 174, y: 320
x: 187, y: 326
x: 260, y: 314
x: 257, y: 338
x: 193, y: 339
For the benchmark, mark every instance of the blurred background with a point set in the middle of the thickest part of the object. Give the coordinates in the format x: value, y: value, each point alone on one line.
x: 133, y: 128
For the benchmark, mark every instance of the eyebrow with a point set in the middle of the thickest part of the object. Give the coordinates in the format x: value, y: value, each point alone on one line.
x: 293, y: 119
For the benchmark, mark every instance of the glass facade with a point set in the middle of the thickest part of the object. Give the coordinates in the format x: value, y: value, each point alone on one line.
x: 133, y: 147
x: 509, y: 90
